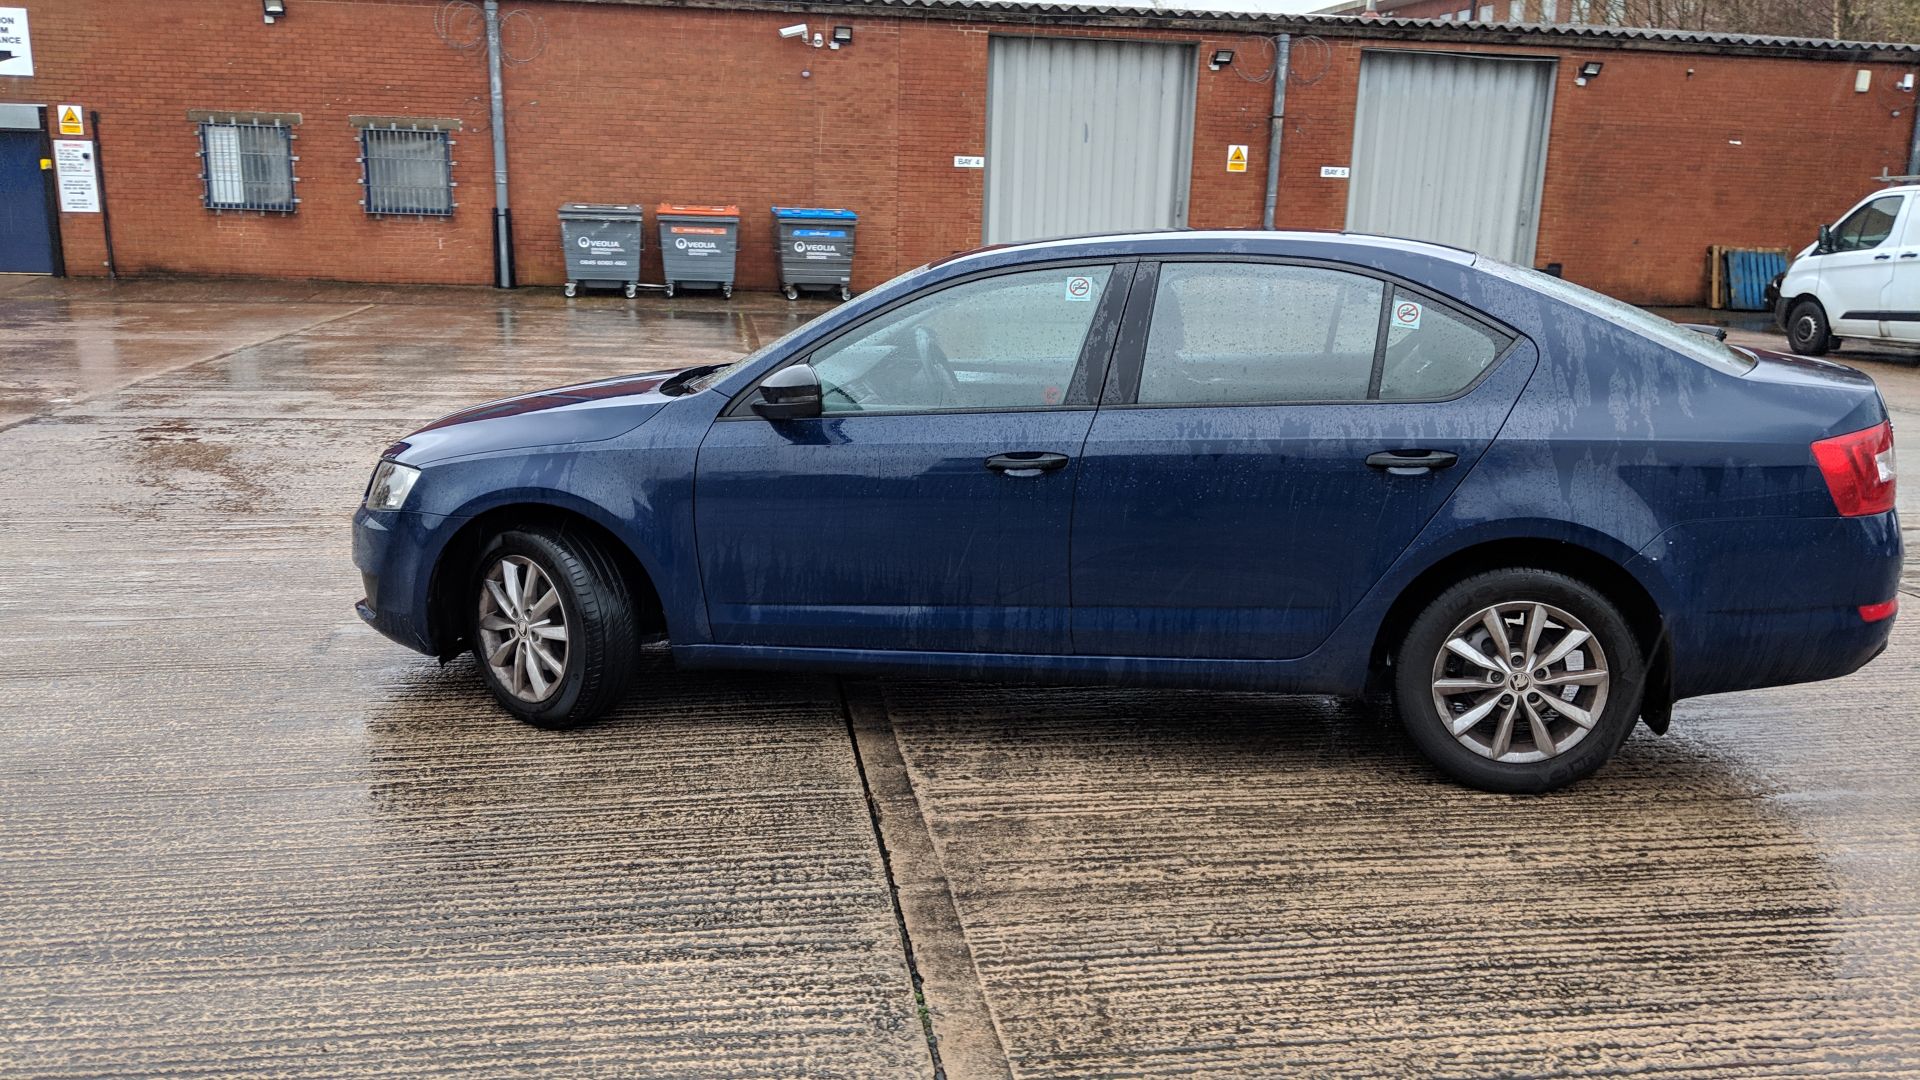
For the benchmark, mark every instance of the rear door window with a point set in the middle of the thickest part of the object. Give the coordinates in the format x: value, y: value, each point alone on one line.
x: 1249, y: 333
x: 1433, y: 352
x: 1227, y: 333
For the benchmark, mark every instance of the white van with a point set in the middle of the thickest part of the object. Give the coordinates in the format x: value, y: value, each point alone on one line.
x: 1861, y: 279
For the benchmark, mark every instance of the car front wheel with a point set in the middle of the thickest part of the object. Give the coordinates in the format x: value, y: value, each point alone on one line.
x: 1519, y: 681
x: 1807, y: 331
x: 552, y: 627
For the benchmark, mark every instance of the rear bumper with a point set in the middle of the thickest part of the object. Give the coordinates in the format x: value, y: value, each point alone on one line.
x: 395, y: 552
x: 1773, y: 601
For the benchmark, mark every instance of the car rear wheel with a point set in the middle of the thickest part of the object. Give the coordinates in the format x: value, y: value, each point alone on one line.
x: 1519, y: 681
x: 1807, y: 329
x: 552, y: 627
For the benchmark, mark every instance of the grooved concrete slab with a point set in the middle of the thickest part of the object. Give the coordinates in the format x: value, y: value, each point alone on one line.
x: 1161, y: 884
x: 242, y: 835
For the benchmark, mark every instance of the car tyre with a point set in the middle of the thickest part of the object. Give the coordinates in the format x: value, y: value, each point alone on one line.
x: 535, y: 592
x: 1596, y: 675
x: 1807, y: 331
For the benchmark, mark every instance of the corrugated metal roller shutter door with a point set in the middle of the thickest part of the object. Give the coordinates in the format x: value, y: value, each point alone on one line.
x: 1451, y: 149
x: 1087, y: 136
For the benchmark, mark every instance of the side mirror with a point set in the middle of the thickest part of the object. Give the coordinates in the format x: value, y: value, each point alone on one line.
x: 1826, y: 240
x: 792, y: 393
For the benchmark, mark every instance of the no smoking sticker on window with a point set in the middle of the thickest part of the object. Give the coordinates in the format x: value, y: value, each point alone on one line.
x: 1406, y: 315
x: 1079, y: 288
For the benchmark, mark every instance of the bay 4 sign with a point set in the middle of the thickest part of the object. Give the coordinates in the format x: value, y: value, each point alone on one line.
x: 16, y: 46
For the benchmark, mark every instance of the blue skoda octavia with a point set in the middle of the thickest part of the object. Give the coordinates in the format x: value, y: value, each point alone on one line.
x: 1312, y: 463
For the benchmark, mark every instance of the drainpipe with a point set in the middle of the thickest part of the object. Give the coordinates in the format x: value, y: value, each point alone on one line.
x: 1913, y: 143
x: 502, y: 216
x: 1282, y: 54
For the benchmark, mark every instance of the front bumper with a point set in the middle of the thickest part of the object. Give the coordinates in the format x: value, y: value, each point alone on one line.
x: 1773, y: 601
x: 395, y: 551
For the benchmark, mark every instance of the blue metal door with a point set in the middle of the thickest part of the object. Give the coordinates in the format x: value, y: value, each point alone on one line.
x: 26, y: 240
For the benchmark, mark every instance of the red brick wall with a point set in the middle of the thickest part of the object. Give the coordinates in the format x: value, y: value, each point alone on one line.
x: 1648, y: 164
x: 143, y: 66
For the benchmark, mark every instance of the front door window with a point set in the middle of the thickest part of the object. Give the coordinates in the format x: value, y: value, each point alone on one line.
x: 1007, y: 342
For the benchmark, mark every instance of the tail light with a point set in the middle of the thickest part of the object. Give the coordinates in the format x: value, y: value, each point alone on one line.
x: 1877, y: 612
x: 1858, y: 468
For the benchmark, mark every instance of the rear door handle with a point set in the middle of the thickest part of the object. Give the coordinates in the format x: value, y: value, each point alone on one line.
x: 1026, y: 463
x: 1881, y: 258
x: 1910, y: 254
x: 1411, y: 462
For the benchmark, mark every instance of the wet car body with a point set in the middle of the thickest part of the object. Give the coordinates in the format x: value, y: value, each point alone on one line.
x: 1174, y: 547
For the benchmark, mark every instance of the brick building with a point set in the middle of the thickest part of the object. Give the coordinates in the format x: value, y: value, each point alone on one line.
x: 1681, y: 141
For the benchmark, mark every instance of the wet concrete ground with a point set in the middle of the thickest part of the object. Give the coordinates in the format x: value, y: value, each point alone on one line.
x: 240, y: 834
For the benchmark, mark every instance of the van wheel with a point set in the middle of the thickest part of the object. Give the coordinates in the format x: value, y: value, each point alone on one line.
x: 552, y: 627
x: 1807, y: 330
x: 1519, y: 681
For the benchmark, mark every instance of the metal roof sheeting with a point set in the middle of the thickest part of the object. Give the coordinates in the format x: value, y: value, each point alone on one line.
x: 1256, y: 16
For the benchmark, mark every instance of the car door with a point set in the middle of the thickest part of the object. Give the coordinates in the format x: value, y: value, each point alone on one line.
x: 929, y: 506
x: 1276, y: 434
x: 1856, y: 273
x: 1900, y: 303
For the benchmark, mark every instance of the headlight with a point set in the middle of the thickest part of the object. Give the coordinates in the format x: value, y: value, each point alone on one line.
x: 391, y: 483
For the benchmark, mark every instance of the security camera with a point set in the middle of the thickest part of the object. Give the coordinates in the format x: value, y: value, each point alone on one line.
x: 1905, y: 83
x: 798, y: 30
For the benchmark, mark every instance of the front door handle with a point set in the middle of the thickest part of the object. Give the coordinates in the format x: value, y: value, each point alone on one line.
x: 1411, y: 462
x: 1026, y: 463
x: 1881, y: 258
x: 1910, y: 254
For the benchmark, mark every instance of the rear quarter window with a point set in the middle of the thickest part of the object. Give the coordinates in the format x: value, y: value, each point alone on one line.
x: 1689, y: 343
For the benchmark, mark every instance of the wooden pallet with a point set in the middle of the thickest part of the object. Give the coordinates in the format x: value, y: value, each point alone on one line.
x: 1717, y: 285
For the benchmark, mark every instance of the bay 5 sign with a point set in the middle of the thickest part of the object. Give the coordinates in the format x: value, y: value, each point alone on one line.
x: 1074, y: 461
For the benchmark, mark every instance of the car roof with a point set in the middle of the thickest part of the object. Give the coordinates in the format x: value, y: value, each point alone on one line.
x: 1245, y: 241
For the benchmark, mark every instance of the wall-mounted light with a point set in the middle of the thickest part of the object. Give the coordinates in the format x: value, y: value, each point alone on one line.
x: 842, y: 35
x: 273, y: 9
x: 1221, y: 58
x: 1588, y: 70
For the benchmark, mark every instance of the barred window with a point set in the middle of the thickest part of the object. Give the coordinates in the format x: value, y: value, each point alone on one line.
x: 247, y: 166
x: 407, y: 171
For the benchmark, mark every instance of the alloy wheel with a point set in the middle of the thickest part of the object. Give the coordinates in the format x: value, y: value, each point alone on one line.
x: 523, y: 628
x: 1520, y: 682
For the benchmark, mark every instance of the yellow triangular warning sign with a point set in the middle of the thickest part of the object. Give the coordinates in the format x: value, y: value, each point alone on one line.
x: 69, y: 116
x: 1238, y: 157
x: 70, y: 120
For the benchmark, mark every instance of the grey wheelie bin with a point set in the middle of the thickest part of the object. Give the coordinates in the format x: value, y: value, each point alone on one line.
x: 815, y: 247
x: 603, y: 243
x: 698, y: 245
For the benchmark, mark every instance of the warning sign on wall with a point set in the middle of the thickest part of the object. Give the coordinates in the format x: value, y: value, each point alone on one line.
x: 70, y: 121
x: 1237, y: 158
x: 78, y: 182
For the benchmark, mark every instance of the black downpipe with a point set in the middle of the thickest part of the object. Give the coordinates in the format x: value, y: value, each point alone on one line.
x: 502, y: 245
x: 100, y: 177
x: 52, y: 186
